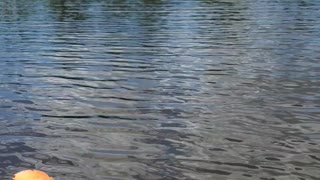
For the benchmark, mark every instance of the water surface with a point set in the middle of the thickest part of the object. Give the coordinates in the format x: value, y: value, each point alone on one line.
x: 159, y: 89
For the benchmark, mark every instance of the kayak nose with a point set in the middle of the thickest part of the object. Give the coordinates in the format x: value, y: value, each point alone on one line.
x: 31, y: 175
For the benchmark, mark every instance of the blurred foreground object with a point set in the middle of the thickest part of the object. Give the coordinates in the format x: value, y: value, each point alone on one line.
x: 31, y: 175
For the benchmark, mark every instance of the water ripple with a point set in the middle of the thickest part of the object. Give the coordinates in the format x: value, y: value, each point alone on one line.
x: 154, y: 89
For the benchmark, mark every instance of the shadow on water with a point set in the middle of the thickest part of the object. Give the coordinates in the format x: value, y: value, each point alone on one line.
x: 157, y: 89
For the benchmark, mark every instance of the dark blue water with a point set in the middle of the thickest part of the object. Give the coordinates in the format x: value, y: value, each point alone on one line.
x: 160, y: 89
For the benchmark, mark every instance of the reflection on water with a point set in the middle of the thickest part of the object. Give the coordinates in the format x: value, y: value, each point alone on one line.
x: 153, y: 89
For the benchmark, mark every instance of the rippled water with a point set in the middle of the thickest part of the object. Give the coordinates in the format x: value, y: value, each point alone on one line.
x: 160, y: 89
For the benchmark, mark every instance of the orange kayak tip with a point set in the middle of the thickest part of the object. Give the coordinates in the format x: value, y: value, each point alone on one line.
x: 32, y: 175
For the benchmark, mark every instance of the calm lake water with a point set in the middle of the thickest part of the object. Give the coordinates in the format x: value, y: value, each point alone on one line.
x: 160, y: 89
